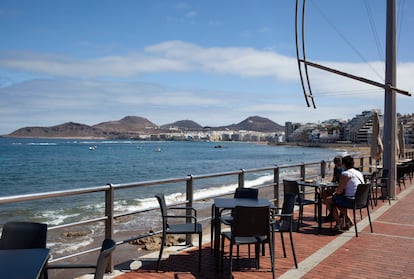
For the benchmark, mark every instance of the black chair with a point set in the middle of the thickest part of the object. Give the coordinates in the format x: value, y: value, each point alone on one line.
x: 240, y: 193
x: 23, y: 235
x: 291, y: 188
x: 283, y: 222
x: 381, y: 184
x: 192, y: 227
x: 403, y: 172
x: 360, y: 201
x: 108, y: 246
x: 251, y: 225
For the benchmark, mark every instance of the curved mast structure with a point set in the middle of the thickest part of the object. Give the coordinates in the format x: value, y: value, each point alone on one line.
x: 390, y: 114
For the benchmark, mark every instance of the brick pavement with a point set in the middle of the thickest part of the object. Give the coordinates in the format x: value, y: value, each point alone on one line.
x: 386, y: 253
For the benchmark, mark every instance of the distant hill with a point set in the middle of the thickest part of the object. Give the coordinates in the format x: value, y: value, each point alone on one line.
x: 184, y: 124
x: 66, y: 130
x: 256, y: 123
x: 132, y: 127
x: 127, y: 124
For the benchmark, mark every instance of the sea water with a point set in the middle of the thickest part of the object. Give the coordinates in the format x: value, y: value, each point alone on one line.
x: 41, y: 165
x: 30, y: 166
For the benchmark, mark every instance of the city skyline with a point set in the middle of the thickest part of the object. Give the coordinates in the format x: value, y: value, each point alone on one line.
x: 214, y: 62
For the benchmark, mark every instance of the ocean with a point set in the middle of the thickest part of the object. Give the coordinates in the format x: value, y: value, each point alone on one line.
x: 41, y: 165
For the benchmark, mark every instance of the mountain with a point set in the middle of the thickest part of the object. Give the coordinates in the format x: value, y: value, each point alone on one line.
x: 66, y: 130
x: 127, y: 124
x: 133, y: 127
x: 188, y: 125
x: 256, y: 123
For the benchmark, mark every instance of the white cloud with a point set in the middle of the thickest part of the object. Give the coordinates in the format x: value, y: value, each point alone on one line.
x: 170, y: 81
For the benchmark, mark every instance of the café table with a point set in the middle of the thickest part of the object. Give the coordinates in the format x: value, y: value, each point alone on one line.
x: 319, y: 186
x: 367, y: 175
x: 23, y: 263
x: 221, y: 204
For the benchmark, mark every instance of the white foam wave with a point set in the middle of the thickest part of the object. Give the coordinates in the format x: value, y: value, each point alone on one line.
x: 61, y: 247
x: 57, y: 217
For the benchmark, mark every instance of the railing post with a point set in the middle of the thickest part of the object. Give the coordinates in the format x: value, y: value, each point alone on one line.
x: 302, y: 171
x: 109, y: 228
x: 276, y: 187
x: 323, y: 168
x: 189, y: 197
x: 241, y: 178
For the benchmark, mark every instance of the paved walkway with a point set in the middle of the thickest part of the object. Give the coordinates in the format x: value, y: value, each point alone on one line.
x: 386, y: 253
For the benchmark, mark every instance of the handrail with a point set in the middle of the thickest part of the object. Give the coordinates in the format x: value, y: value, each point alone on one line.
x: 188, y: 189
x: 54, y: 194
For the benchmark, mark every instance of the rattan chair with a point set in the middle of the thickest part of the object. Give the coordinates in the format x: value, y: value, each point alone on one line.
x: 291, y: 188
x: 23, y: 235
x: 381, y: 185
x: 108, y: 246
x: 192, y: 227
x: 282, y: 222
x: 251, y: 225
x: 360, y: 201
x: 239, y: 193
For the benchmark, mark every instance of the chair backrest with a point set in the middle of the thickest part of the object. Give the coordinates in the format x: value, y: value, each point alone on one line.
x: 23, y: 235
x: 164, y: 212
x: 108, y: 245
x: 251, y: 221
x: 246, y: 193
x: 290, y: 187
x: 290, y: 193
x: 384, y: 176
x: 362, y: 195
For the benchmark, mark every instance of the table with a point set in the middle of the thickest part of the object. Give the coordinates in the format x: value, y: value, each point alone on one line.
x: 367, y: 175
x: 23, y: 263
x: 319, y: 187
x: 221, y: 204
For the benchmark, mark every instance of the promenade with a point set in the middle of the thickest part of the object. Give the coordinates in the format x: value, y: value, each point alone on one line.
x: 386, y: 253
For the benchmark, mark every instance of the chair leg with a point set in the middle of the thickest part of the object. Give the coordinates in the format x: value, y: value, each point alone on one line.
x: 257, y: 254
x: 231, y: 260
x: 355, y: 223
x: 212, y: 235
x: 293, y: 248
x: 369, y: 218
x: 200, y: 237
x: 164, y: 236
x: 283, y: 244
x: 272, y: 258
x: 300, y: 217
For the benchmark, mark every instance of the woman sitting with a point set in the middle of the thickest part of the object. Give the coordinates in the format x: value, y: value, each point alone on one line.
x: 344, y: 194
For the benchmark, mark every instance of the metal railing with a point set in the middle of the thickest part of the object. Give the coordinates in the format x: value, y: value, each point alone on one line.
x: 300, y: 171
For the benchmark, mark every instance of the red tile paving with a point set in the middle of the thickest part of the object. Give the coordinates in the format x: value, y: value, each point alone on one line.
x: 386, y: 253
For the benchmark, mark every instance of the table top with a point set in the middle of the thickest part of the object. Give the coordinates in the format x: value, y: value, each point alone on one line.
x: 367, y: 173
x: 23, y: 263
x: 230, y: 203
x: 314, y: 183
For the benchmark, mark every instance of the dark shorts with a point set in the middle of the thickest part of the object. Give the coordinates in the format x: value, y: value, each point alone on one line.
x: 342, y: 201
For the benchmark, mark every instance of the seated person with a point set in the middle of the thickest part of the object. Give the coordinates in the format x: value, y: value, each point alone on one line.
x: 327, y: 193
x: 342, y: 198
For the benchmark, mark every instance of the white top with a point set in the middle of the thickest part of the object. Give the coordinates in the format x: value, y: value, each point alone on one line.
x: 355, y: 178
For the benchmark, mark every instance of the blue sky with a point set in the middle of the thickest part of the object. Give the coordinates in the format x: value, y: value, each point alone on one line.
x: 214, y: 62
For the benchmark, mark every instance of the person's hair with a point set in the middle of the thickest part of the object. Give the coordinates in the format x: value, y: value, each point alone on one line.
x: 348, y: 162
x: 337, y: 159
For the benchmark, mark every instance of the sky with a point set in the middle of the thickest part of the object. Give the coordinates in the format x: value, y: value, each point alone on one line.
x: 214, y: 62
